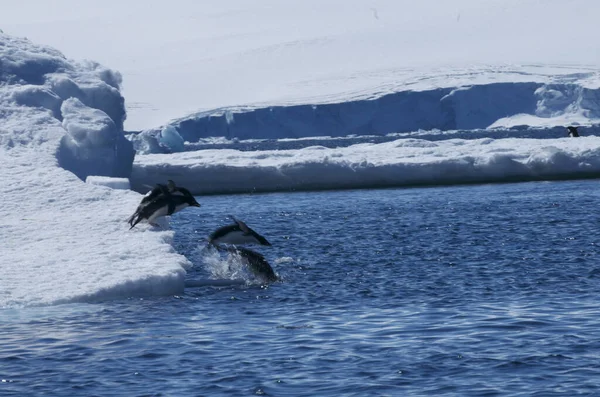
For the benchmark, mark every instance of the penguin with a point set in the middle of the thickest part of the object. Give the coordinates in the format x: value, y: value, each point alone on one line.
x: 236, y: 233
x: 573, y: 132
x: 157, y: 191
x: 165, y: 203
x: 256, y: 262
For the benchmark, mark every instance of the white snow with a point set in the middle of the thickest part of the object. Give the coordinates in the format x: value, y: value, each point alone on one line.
x: 542, y: 101
x: 397, y: 163
x: 182, y: 56
x: 64, y: 240
x: 266, y: 69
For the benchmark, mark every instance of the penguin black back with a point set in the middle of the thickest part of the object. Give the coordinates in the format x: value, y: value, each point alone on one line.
x: 163, y: 200
x: 237, y: 233
x: 255, y: 261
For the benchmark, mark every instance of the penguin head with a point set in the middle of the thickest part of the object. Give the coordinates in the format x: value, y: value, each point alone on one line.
x: 188, y: 198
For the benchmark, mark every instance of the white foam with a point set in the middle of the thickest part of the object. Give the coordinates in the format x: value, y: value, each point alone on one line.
x: 224, y: 267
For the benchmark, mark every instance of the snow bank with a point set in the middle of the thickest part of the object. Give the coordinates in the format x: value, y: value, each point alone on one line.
x: 547, y: 100
x: 64, y: 240
x: 402, y: 162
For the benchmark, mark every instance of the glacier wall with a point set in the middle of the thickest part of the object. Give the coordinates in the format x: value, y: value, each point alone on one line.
x: 453, y: 108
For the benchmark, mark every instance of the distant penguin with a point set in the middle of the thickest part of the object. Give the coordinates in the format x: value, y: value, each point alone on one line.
x: 236, y: 233
x: 573, y: 132
x: 255, y: 262
x: 164, y: 203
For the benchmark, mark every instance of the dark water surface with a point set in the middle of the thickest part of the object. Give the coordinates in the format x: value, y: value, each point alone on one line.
x: 468, y: 291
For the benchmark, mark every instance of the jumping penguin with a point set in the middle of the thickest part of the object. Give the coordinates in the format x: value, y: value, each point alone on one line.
x: 160, y: 201
x: 236, y: 233
x: 157, y: 191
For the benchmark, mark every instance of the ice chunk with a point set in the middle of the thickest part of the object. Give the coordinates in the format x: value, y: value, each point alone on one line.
x: 114, y: 183
x: 170, y: 138
x: 93, y: 144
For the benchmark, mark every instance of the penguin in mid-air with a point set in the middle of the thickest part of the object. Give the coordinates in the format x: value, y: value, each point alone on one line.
x: 161, y: 201
x: 157, y: 191
x: 257, y: 263
x: 236, y: 233
x: 573, y: 132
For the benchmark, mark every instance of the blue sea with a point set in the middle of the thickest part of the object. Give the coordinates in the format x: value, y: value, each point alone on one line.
x: 478, y: 290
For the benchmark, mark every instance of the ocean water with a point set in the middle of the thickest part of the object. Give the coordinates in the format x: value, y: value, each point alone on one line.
x: 476, y: 290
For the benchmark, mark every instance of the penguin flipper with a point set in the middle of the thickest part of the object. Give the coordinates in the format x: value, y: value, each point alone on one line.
x: 243, y: 227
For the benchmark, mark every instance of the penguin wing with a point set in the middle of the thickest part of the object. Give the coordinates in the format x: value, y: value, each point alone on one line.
x: 157, y: 191
x: 243, y: 227
x: 222, y: 231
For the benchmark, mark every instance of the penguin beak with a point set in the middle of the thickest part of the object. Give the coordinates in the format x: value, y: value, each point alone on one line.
x: 196, y: 204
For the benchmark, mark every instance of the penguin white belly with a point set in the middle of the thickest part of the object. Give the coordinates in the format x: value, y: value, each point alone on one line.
x: 164, y: 211
x: 180, y: 207
x: 236, y: 238
x: 158, y: 213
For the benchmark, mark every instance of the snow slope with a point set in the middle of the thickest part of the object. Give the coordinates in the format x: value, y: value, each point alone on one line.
x: 64, y: 240
x: 183, y: 56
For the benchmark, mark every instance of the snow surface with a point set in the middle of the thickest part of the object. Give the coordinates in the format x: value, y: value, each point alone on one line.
x: 64, y: 240
x: 182, y: 56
